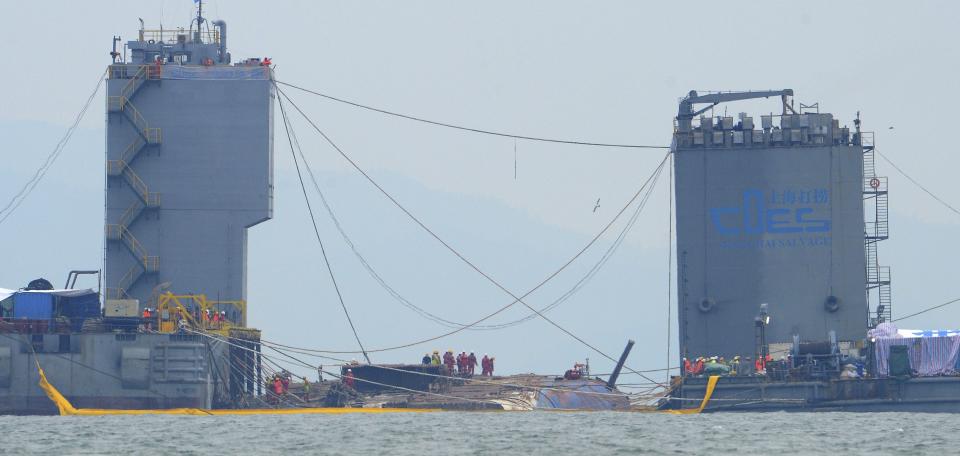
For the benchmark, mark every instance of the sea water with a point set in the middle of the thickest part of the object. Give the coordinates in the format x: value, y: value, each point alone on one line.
x: 529, y: 433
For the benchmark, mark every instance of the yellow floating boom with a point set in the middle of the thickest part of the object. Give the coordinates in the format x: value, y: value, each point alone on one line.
x: 66, y: 408
x: 711, y: 384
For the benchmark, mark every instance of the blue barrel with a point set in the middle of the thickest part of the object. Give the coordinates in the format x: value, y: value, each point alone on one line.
x: 33, y: 306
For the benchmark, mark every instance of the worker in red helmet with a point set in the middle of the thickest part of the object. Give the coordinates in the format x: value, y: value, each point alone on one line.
x: 485, y: 365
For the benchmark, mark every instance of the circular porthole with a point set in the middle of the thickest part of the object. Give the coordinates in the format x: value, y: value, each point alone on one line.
x: 706, y: 305
x: 831, y: 304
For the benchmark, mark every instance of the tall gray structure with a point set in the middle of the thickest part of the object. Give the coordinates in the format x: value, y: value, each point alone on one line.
x: 189, y: 165
x: 768, y: 214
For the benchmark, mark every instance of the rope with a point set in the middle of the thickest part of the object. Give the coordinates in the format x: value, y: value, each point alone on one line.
x: 470, y: 129
x: 31, y: 183
x: 452, y: 324
x: 928, y: 309
x: 669, y: 256
x: 918, y: 184
x: 448, y: 246
x: 305, y: 364
x: 395, y: 202
x: 286, y: 126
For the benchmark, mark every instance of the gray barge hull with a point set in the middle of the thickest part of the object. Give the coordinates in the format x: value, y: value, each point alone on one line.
x: 750, y: 394
x: 107, y: 370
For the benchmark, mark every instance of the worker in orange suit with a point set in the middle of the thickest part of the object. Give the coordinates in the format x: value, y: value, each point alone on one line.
x: 471, y: 363
x: 449, y: 361
x: 698, y: 366
x: 348, y: 379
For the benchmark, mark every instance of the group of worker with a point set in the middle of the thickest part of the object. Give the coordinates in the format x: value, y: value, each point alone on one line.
x: 211, y: 319
x: 579, y: 371
x: 464, y: 364
x: 718, y: 365
x: 279, y: 383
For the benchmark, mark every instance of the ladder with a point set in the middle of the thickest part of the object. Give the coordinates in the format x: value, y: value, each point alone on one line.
x: 876, y: 228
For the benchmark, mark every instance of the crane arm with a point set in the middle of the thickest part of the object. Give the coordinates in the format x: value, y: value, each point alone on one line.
x: 686, y: 111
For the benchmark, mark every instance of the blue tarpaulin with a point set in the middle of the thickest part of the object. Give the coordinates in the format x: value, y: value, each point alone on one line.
x: 218, y: 72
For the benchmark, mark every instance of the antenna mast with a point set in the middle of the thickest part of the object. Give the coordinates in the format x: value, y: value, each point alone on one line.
x: 199, y: 37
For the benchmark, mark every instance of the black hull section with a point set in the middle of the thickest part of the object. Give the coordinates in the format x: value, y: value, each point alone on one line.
x: 748, y: 394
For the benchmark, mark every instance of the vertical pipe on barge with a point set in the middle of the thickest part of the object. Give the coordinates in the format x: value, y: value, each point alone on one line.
x: 612, y: 382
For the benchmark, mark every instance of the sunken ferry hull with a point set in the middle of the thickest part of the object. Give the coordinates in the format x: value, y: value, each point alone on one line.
x: 432, y: 387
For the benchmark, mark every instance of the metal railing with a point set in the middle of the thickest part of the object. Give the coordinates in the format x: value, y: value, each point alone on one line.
x: 169, y: 305
x: 115, y: 293
x: 131, y: 214
x: 120, y: 232
x: 133, y: 149
x: 120, y: 167
x: 179, y: 35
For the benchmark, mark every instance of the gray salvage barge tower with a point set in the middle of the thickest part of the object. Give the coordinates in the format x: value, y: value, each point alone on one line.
x: 189, y: 161
x: 189, y: 166
x: 771, y: 214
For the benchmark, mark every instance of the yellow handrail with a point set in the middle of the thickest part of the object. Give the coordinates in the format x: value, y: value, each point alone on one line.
x: 170, y: 302
x: 149, y: 198
x: 130, y: 214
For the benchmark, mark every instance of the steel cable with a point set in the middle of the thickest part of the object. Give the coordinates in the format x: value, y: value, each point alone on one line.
x: 447, y: 245
x: 313, y: 219
x: 470, y: 129
x: 38, y: 175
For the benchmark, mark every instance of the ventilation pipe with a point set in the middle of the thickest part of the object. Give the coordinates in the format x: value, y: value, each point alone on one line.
x: 222, y: 27
x: 612, y: 382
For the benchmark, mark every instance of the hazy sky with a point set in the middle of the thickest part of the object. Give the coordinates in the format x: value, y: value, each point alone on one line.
x: 599, y: 71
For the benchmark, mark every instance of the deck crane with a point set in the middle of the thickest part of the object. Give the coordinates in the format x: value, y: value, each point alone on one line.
x: 686, y: 113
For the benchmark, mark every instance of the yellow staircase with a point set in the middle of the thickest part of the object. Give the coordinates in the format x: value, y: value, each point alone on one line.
x: 146, y: 136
